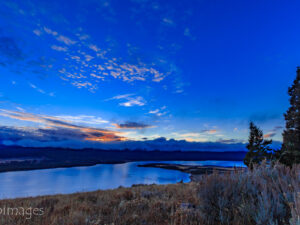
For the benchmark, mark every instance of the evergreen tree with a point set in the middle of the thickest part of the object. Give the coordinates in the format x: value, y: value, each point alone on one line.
x: 291, y: 135
x: 257, y: 146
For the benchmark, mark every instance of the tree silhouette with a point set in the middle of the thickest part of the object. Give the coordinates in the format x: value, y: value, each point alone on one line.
x: 257, y: 146
x: 290, y: 153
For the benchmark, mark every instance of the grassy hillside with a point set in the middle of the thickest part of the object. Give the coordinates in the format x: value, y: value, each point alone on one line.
x: 263, y: 196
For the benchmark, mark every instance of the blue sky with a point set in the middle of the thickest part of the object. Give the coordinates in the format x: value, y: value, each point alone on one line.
x: 139, y: 70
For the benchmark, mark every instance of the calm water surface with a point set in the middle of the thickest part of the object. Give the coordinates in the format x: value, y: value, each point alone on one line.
x: 103, y: 176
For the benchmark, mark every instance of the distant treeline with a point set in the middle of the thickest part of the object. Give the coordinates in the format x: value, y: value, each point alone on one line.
x: 22, y: 158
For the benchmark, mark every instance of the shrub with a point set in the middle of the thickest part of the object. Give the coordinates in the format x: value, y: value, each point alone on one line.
x: 266, y: 195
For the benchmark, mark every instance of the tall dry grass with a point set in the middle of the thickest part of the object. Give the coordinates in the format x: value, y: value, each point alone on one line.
x: 266, y: 195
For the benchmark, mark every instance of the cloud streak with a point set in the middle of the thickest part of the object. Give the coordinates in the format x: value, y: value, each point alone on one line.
x: 59, y: 48
x: 131, y: 100
x: 85, y: 119
x: 54, y: 123
x: 211, y: 131
x: 159, y: 112
x: 137, y: 101
x: 51, y: 94
x: 273, y: 132
x: 131, y: 125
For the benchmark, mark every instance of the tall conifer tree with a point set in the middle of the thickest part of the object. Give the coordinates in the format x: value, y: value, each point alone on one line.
x: 258, y: 148
x: 291, y: 135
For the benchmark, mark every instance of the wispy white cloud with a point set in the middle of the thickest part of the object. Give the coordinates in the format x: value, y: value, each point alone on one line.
x: 41, y: 90
x: 189, y: 136
x: 49, y: 31
x: 36, y: 88
x: 131, y: 100
x: 159, y: 112
x: 65, y: 40
x: 154, y: 111
x: 84, y: 68
x: 83, y: 37
x: 85, y: 119
x: 168, y: 21
x: 60, y: 38
x: 59, y: 48
x: 88, y: 58
x: 37, y: 32
x: 94, y: 47
x: 136, y: 101
x: 201, y: 136
x: 20, y: 109
x: 126, y: 96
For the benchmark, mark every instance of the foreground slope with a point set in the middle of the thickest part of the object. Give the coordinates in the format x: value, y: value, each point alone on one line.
x: 266, y: 195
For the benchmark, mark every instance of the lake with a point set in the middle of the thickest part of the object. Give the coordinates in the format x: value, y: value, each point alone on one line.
x: 102, y: 176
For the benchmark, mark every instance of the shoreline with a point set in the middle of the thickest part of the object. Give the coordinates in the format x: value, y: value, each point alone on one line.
x: 195, y: 171
x: 15, y: 166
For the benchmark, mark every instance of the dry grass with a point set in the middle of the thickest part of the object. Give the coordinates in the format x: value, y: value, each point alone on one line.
x: 264, y: 196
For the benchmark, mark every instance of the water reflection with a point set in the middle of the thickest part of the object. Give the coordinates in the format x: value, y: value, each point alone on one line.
x: 104, y: 176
